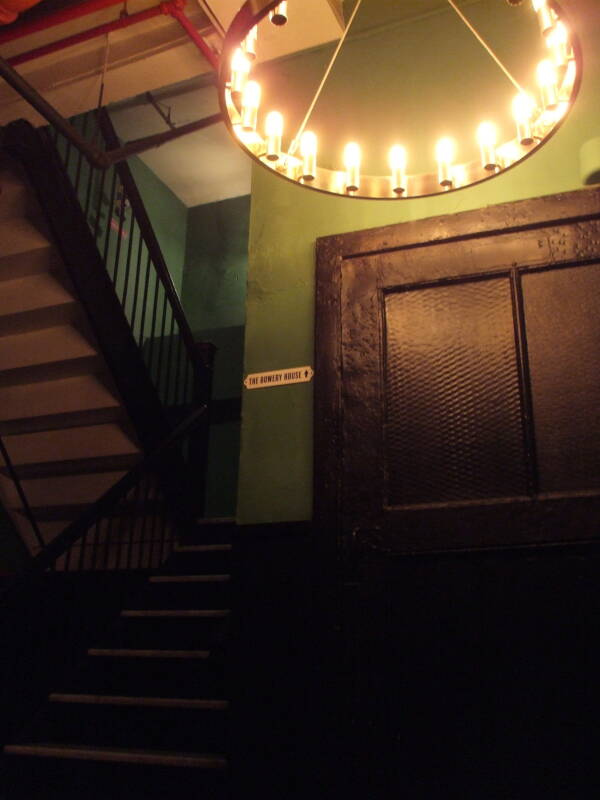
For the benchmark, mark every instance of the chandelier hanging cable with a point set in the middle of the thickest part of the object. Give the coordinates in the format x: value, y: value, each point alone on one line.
x: 536, y: 114
x: 486, y: 46
x: 296, y: 140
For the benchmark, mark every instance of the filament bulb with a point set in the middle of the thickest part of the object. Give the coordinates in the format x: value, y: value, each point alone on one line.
x: 250, y: 104
x: 352, y: 165
x: 487, y: 137
x: 544, y: 14
x: 523, y: 107
x: 250, y: 43
x: 558, y: 42
x: 278, y: 15
x: 274, y: 132
x: 444, y: 152
x: 240, y: 70
x: 547, y: 80
x: 308, y: 151
x: 397, y: 161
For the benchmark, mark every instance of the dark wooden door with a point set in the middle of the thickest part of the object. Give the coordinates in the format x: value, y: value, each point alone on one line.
x: 457, y: 493
x: 460, y: 367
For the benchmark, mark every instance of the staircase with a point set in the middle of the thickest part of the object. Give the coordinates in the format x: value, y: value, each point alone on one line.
x: 145, y: 715
x: 61, y: 418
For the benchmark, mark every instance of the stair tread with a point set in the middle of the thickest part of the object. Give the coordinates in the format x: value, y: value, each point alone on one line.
x: 120, y: 652
x: 32, y: 292
x: 176, y: 613
x: 45, y: 398
x: 45, y: 346
x: 69, y: 444
x: 202, y: 548
x: 131, y: 700
x: 123, y: 755
x: 19, y: 235
x: 80, y: 489
x: 189, y: 578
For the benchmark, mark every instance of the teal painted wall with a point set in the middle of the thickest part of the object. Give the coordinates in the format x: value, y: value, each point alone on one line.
x: 275, y: 481
x: 168, y: 215
x: 214, y: 299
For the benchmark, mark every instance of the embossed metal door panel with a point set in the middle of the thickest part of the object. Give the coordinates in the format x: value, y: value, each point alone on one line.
x: 458, y: 379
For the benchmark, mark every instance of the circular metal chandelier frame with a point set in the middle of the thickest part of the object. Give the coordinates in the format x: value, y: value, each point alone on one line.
x: 448, y: 177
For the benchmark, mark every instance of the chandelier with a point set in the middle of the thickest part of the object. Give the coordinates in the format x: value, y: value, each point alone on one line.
x: 536, y: 111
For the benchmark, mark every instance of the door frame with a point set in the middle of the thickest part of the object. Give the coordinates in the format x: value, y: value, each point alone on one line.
x: 545, y: 214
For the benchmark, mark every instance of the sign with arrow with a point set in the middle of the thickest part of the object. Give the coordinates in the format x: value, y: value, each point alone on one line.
x: 278, y: 377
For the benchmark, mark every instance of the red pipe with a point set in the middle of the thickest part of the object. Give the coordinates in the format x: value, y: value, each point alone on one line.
x: 84, y: 36
x: 175, y: 9
x: 172, y: 8
x: 58, y: 18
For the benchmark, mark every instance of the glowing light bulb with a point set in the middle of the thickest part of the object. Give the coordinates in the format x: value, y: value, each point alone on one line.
x: 397, y: 160
x: 352, y: 165
x: 249, y: 43
x: 523, y: 106
x: 308, y: 151
x: 558, y: 42
x: 444, y: 152
x: 274, y: 132
x: 279, y: 15
x: 250, y: 104
x: 547, y: 80
x: 487, y: 137
x: 544, y: 14
x: 240, y: 70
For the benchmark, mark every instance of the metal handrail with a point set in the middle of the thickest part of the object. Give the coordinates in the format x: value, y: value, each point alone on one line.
x: 20, y: 491
x: 141, y: 215
x: 105, y: 504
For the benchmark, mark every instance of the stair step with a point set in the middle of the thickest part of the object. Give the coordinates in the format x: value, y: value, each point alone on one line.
x: 70, y: 444
x: 14, y: 195
x: 210, y: 613
x: 66, y: 399
x: 36, y: 352
x: 92, y: 465
x: 128, y: 700
x: 147, y: 677
x: 34, y: 302
x: 189, y: 578
x: 202, y: 548
x: 79, y: 489
x: 25, y: 250
x: 129, y: 653
x: 146, y: 722
x: 114, y: 755
x: 189, y: 630
x: 204, y: 594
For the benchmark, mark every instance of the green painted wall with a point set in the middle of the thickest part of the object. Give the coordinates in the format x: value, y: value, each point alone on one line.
x: 276, y: 454
x: 214, y: 299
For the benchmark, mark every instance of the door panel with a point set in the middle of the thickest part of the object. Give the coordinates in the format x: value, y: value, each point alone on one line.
x: 562, y: 309
x: 467, y: 372
x: 453, y: 420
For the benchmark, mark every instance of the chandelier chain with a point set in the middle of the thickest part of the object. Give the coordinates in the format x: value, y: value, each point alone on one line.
x: 486, y: 46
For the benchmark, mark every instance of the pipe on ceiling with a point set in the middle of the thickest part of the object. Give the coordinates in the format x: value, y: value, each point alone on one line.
x: 27, y: 27
x: 173, y: 8
x: 10, y: 9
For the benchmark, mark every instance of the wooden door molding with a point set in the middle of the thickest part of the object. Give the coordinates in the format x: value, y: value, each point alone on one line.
x: 552, y: 231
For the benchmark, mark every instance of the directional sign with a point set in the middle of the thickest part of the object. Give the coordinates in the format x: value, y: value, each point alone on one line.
x: 278, y: 377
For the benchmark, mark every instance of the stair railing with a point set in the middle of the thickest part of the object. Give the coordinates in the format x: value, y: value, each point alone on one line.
x: 131, y: 526
x: 136, y: 267
x: 26, y: 508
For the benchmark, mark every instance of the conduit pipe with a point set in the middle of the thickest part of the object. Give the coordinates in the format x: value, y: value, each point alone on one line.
x: 84, y: 36
x: 94, y: 155
x: 57, y: 18
x: 173, y: 8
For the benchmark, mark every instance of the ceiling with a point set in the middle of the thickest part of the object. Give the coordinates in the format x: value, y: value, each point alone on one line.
x: 157, y: 56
